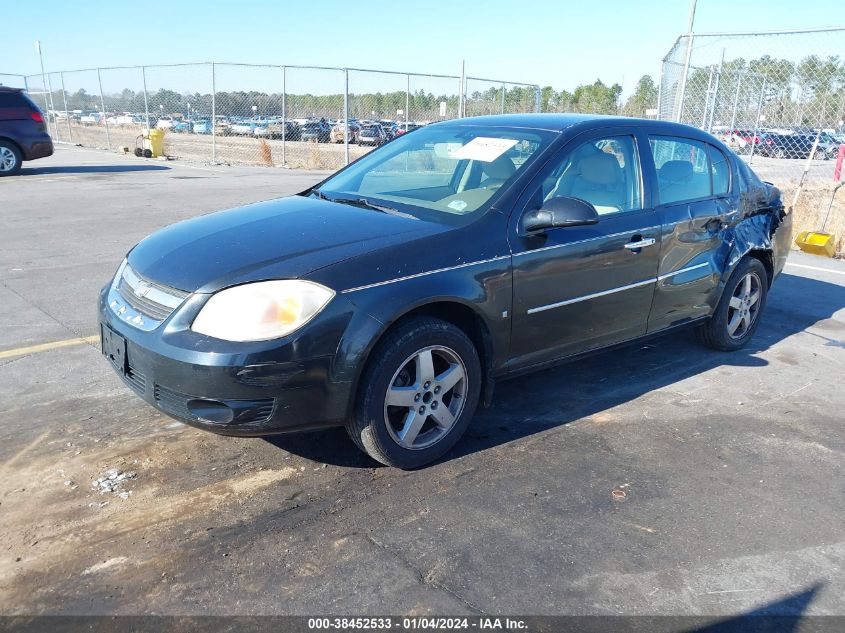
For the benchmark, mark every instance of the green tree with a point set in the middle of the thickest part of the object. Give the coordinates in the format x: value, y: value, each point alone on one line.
x: 644, y: 97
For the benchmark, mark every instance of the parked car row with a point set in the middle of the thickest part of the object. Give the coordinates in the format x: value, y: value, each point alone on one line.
x: 316, y: 130
x: 783, y: 143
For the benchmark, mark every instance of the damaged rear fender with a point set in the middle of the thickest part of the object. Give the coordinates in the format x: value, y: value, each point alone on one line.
x: 764, y: 231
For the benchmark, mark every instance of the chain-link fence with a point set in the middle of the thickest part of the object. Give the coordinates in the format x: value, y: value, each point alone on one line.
x: 294, y: 116
x: 489, y: 96
x: 778, y: 99
x: 12, y: 80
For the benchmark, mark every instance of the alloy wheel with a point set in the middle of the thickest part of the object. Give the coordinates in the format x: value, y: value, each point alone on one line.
x: 426, y: 397
x: 8, y: 160
x: 744, y: 305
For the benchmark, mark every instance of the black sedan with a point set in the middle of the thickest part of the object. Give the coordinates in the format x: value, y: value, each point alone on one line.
x: 788, y: 146
x: 315, y: 131
x: 391, y: 297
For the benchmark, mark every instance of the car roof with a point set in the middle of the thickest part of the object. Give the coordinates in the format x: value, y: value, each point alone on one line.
x: 581, y: 122
x: 10, y: 89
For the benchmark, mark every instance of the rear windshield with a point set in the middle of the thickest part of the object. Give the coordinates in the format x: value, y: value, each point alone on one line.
x: 16, y: 100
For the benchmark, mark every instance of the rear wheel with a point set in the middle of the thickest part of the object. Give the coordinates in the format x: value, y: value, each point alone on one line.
x: 417, y: 395
x: 736, y: 317
x: 820, y: 155
x: 779, y: 153
x: 10, y: 159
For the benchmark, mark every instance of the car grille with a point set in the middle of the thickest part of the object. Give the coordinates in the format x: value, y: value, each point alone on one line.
x: 151, y: 299
x: 172, y: 402
x: 246, y: 411
x: 136, y: 381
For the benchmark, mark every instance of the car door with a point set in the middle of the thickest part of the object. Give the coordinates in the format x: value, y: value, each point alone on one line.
x: 585, y: 287
x: 692, y: 186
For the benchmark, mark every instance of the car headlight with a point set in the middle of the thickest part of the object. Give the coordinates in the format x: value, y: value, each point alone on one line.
x: 261, y: 310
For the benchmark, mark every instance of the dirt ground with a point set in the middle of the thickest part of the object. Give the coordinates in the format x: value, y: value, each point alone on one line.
x: 234, y: 150
x: 812, y: 209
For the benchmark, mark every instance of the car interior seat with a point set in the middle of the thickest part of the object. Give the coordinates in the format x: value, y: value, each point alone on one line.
x: 598, y: 179
x: 497, y: 172
x: 674, y: 178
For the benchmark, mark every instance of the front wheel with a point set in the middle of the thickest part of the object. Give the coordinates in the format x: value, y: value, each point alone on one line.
x: 417, y: 395
x: 737, y: 315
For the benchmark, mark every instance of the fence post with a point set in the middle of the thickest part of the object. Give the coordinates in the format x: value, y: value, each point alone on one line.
x: 736, y: 101
x: 284, y: 115
x: 716, y: 92
x: 503, y: 98
x: 146, y: 103
x: 103, y: 106
x: 67, y: 116
x: 757, y: 121
x: 52, y: 107
x: 660, y: 90
x: 707, y: 99
x: 407, y: 100
x: 462, y: 91
x: 684, y: 80
x: 346, y: 115
x: 213, y: 115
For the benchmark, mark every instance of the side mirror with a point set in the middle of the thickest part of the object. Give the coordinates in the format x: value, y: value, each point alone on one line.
x: 560, y: 211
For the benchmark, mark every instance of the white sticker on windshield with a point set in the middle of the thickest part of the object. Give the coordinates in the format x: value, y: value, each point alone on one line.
x: 457, y: 205
x: 484, y: 149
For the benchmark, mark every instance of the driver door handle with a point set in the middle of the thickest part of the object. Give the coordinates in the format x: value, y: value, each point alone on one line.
x: 648, y: 241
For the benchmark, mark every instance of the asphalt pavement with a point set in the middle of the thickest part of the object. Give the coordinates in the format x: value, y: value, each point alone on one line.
x: 663, y: 478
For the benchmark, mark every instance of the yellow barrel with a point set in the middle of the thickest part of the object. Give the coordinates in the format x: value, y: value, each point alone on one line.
x: 817, y: 243
x: 157, y: 142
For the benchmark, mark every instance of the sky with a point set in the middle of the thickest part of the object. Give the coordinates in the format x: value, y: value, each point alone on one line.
x: 561, y: 43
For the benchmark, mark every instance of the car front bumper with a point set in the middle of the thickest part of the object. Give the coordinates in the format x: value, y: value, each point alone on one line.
x: 296, y: 383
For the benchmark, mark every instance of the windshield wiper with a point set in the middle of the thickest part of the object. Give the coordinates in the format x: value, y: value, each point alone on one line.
x: 363, y: 202
x: 320, y: 194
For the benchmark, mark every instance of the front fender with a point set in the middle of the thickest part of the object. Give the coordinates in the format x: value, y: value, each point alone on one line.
x: 484, y: 288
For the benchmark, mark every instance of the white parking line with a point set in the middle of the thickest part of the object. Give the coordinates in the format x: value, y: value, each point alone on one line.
x: 825, y: 270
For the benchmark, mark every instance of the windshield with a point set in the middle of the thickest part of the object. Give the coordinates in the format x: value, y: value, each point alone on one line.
x: 439, y: 172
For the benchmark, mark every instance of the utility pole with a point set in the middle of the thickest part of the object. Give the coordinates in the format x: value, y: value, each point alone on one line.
x: 691, y: 16
x: 690, y: 23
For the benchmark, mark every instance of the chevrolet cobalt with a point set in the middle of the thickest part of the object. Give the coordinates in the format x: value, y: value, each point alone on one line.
x: 392, y: 296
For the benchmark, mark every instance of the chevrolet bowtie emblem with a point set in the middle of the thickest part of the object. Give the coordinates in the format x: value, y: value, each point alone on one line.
x: 142, y: 290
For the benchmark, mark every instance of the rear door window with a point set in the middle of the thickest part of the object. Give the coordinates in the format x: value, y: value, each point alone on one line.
x: 720, y: 170
x: 683, y: 169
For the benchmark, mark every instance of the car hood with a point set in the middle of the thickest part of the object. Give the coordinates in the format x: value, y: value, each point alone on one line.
x: 278, y: 239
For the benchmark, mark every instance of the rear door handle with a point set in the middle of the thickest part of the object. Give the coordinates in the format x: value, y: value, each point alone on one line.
x: 648, y: 241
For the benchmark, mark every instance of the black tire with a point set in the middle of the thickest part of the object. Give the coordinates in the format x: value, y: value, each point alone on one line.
x: 715, y: 332
x: 820, y: 155
x: 148, y: 153
x: 10, y: 159
x: 779, y: 153
x: 139, y: 152
x: 375, y: 424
